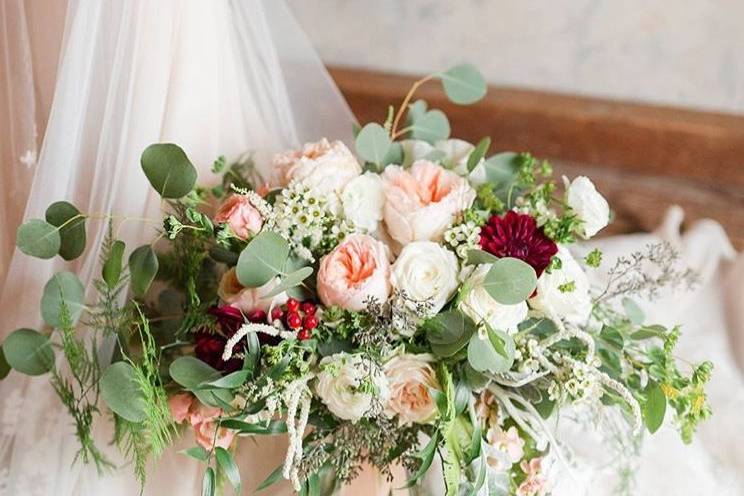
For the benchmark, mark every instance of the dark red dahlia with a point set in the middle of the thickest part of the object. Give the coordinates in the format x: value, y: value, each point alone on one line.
x: 517, y: 235
x: 210, y: 345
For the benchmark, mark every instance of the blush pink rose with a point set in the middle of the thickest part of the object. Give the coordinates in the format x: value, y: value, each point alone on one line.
x: 179, y: 405
x: 411, y: 379
x: 203, y: 420
x: 242, y: 217
x: 421, y: 202
x: 357, y: 269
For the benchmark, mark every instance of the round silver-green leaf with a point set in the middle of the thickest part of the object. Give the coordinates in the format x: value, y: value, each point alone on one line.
x: 143, y: 267
x: 29, y: 352
x: 483, y: 356
x: 122, y: 393
x: 263, y: 259
x: 71, y: 224
x: 373, y: 143
x: 510, y: 281
x: 38, y: 238
x: 463, y: 84
x: 168, y: 169
x: 64, y: 289
x: 432, y: 126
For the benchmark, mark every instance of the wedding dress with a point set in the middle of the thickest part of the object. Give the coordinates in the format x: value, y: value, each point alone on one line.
x: 224, y: 77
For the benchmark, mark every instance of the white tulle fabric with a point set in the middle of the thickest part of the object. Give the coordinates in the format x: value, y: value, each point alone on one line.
x: 18, y: 146
x: 218, y: 77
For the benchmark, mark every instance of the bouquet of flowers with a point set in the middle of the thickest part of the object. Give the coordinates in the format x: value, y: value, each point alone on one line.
x: 419, y: 299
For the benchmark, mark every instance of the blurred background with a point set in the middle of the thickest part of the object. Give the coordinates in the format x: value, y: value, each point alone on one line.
x: 646, y: 95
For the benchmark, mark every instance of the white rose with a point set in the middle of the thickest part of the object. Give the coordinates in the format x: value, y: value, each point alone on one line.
x: 426, y: 272
x: 591, y: 207
x: 349, y: 385
x: 564, y: 292
x: 410, y: 378
x: 325, y: 167
x: 362, y: 200
x: 479, y: 305
x: 422, y: 201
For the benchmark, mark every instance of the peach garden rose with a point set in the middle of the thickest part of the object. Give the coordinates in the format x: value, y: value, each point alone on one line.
x: 410, y: 379
x: 186, y: 408
x: 247, y: 299
x: 354, y: 271
x: 421, y: 202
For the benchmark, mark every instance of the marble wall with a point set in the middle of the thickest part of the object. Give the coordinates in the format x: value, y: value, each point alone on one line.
x: 678, y: 52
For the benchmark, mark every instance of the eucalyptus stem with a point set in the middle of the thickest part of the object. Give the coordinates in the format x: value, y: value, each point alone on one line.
x: 404, y: 105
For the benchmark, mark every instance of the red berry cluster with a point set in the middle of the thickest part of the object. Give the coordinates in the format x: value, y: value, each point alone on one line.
x: 298, y: 316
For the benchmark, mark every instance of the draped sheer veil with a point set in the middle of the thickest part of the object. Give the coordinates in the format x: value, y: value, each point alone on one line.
x: 218, y: 77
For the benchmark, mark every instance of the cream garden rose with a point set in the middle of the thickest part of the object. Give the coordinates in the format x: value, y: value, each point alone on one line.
x: 350, y: 385
x: 426, y: 272
x: 411, y: 377
x: 354, y: 271
x: 324, y: 167
x: 363, y: 199
x: 564, y: 292
x: 246, y: 299
x: 480, y: 306
x: 421, y: 202
x: 590, y: 206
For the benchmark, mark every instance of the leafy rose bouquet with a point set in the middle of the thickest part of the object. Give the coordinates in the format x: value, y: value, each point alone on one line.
x: 417, y: 298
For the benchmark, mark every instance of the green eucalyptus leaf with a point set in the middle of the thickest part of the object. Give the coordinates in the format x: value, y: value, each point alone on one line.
x: 432, y: 126
x: 190, y: 372
x: 168, y: 169
x: 373, y: 143
x: 484, y: 356
x: 478, y: 153
x: 478, y: 257
x: 38, y: 238
x: 71, y: 224
x: 655, y: 407
x: 463, y: 84
x: 143, y: 267
x: 122, y: 393
x: 474, y: 379
x: 230, y: 381
x: 228, y: 466
x: 502, y: 169
x: 28, y: 352
x: 197, y: 453
x: 111, y: 271
x: 394, y: 155
x: 290, y: 281
x: 510, y: 281
x: 263, y: 259
x: 416, y: 110
x: 63, y: 287
x: 4, y: 365
x: 448, y: 332
x: 208, y: 483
